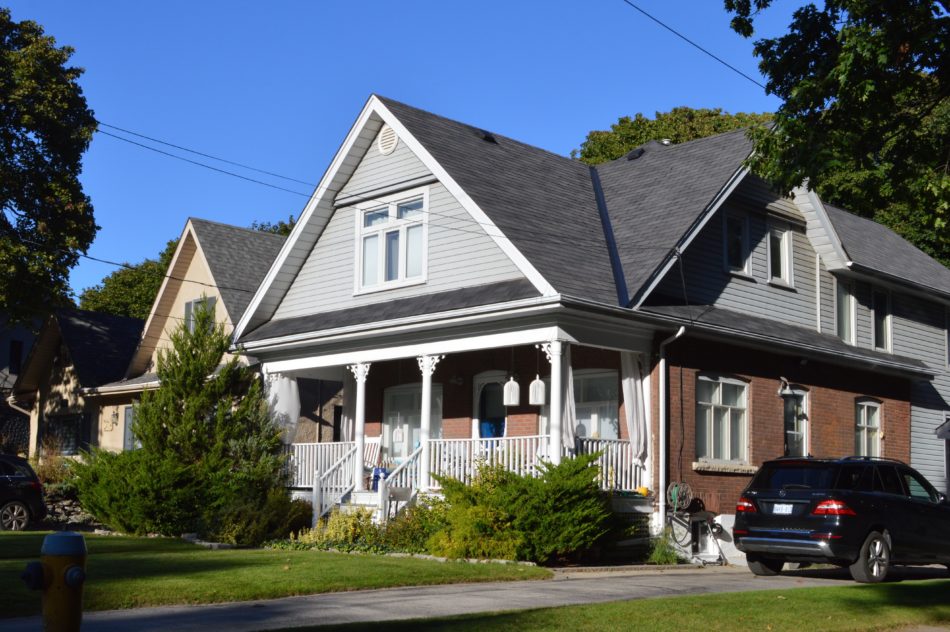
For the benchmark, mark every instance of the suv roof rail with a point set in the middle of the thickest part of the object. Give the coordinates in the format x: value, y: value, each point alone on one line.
x: 873, y: 459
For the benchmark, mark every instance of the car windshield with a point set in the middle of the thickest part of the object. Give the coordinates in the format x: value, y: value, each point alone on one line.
x: 793, y: 476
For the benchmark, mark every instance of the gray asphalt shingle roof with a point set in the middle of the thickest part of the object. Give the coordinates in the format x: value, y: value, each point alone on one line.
x: 654, y: 199
x: 239, y: 258
x: 878, y: 248
x: 100, y: 345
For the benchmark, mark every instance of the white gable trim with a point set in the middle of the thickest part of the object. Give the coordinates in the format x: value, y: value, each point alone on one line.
x: 691, y: 234
x: 819, y: 229
x: 506, y: 245
x: 323, y: 194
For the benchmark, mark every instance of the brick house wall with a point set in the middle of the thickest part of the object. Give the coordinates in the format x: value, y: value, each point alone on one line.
x: 832, y: 394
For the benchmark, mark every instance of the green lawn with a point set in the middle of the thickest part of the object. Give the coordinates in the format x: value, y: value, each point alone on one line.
x: 128, y: 572
x: 878, y: 607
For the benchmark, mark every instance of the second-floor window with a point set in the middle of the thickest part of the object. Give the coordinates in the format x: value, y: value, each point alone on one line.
x: 780, y: 255
x: 192, y: 308
x: 881, y: 310
x: 844, y: 310
x: 392, y: 243
x: 735, y: 235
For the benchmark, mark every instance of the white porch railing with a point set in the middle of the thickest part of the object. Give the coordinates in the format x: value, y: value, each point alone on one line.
x: 458, y: 458
x: 618, y: 470
x: 307, y: 458
x: 400, y: 485
x: 333, y: 484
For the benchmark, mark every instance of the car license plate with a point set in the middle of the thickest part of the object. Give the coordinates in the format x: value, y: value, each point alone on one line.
x: 782, y: 508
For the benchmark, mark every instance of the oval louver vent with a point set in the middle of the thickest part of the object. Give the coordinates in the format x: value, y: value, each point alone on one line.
x: 387, y: 140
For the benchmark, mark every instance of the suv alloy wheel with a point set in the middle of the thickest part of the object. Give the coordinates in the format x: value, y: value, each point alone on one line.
x: 873, y: 561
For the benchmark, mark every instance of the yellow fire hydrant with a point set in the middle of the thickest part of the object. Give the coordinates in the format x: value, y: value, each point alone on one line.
x: 60, y: 574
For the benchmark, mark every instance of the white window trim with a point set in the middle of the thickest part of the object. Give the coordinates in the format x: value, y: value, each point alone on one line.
x: 869, y: 402
x: 849, y: 287
x: 192, y: 305
x: 744, y: 271
x: 391, y: 201
x: 786, y: 276
x: 888, y: 320
x: 806, y: 426
x: 724, y: 379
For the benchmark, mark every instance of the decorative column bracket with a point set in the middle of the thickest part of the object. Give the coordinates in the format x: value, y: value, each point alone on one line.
x: 360, y: 371
x: 427, y: 364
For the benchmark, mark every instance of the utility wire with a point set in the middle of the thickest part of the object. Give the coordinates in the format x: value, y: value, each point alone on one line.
x: 694, y: 44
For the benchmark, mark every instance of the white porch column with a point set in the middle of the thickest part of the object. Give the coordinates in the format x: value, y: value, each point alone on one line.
x: 427, y: 365
x: 360, y: 372
x: 554, y: 351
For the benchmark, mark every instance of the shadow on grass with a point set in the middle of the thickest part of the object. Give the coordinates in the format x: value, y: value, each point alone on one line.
x: 928, y: 601
x: 27, y: 544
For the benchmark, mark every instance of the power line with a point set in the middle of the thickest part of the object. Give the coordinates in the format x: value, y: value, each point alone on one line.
x: 198, y: 153
x: 694, y: 44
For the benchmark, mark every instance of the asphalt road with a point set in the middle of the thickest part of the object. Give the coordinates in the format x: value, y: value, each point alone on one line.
x: 567, y: 588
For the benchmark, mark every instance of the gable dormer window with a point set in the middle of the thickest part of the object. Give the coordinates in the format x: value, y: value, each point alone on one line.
x: 735, y: 237
x: 392, y: 236
x: 192, y: 307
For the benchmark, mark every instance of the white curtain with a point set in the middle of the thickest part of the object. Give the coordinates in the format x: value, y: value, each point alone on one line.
x: 283, y: 400
x: 568, y: 409
x: 631, y: 380
x: 348, y: 422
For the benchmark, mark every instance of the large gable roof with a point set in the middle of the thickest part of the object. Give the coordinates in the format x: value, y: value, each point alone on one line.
x: 238, y: 258
x: 655, y: 198
x: 877, y: 248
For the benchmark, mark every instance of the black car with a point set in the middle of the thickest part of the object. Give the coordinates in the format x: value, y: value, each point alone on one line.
x: 21, y: 494
x: 860, y: 512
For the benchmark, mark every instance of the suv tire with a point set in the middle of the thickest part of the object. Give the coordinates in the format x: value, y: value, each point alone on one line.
x: 764, y: 567
x: 14, y: 516
x: 873, y: 560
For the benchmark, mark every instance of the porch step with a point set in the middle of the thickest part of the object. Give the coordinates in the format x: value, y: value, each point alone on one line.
x: 364, y: 498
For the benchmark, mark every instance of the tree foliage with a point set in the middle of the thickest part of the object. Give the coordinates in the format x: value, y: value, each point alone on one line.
x: 678, y: 125
x: 131, y: 290
x: 865, y: 116
x: 210, y: 458
x: 279, y: 227
x: 46, y: 220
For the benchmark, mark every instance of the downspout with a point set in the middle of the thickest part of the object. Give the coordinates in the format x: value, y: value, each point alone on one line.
x: 661, y: 491
x: 11, y: 402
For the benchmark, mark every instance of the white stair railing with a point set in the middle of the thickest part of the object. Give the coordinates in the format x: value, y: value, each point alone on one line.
x: 459, y: 458
x: 618, y: 470
x: 307, y: 458
x: 332, y: 485
x: 404, y: 478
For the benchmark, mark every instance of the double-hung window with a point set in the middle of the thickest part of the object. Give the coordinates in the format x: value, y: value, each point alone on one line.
x: 844, y: 310
x: 721, y: 419
x: 193, y: 307
x: 867, y: 427
x: 780, y: 255
x: 392, y: 242
x: 735, y: 236
x: 881, y: 308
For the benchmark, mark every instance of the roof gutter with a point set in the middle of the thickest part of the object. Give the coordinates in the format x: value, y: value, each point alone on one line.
x: 120, y: 389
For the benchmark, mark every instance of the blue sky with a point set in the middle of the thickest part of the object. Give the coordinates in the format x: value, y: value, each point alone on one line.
x: 276, y: 85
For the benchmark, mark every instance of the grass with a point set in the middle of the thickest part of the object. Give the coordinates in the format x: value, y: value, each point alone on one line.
x: 878, y: 607
x: 130, y: 572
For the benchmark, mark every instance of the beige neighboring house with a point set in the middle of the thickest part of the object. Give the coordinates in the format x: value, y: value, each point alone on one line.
x: 215, y: 264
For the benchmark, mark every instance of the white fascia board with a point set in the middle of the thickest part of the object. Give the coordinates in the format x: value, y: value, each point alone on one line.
x: 457, y: 345
x: 399, y: 325
x: 506, y: 245
x: 322, y: 191
x: 120, y: 389
x: 707, y: 215
x: 808, y: 202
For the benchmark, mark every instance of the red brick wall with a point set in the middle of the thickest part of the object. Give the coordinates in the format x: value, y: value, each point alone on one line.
x: 832, y: 392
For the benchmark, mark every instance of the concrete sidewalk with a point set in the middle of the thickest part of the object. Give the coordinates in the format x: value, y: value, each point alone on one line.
x: 567, y: 588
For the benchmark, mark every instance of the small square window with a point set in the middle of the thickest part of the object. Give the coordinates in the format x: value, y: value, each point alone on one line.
x: 192, y: 308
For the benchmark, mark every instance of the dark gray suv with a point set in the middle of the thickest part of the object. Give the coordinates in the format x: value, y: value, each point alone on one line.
x: 860, y: 512
x: 21, y: 494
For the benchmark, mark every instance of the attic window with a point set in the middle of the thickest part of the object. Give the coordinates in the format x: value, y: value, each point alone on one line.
x: 387, y: 140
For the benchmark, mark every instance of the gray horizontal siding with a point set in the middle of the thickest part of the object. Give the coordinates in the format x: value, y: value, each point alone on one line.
x: 460, y: 252
x: 827, y: 301
x: 708, y: 283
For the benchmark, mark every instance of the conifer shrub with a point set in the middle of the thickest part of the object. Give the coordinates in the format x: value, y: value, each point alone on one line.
x: 210, y: 460
x: 411, y: 530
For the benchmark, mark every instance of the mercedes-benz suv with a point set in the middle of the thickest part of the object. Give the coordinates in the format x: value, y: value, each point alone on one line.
x: 860, y: 512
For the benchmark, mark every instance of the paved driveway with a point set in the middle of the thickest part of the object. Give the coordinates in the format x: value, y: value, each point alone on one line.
x: 434, y: 601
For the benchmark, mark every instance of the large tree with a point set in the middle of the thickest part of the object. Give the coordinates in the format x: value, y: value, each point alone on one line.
x: 865, y: 116
x: 46, y: 220
x: 678, y: 125
x: 130, y: 290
